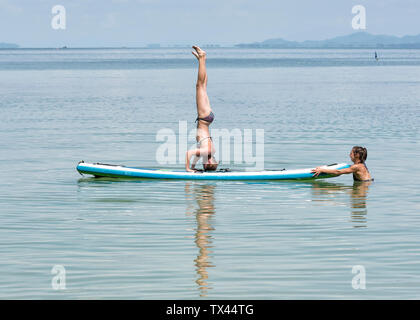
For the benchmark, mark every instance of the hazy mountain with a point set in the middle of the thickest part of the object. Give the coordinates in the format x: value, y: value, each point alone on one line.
x: 8, y: 45
x: 354, y: 40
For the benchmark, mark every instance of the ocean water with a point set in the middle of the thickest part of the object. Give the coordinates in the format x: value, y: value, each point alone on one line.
x: 146, y: 239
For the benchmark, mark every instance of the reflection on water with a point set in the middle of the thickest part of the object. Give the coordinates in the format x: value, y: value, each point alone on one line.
x: 325, y: 191
x: 358, y: 202
x: 203, y: 196
x: 143, y: 196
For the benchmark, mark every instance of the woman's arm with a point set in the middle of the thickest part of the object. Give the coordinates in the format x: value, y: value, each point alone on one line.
x: 194, y: 162
x: 335, y: 172
x: 189, y: 154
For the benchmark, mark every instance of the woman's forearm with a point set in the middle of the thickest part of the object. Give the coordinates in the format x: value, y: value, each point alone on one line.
x: 188, y: 156
x: 187, y: 160
x: 194, y: 162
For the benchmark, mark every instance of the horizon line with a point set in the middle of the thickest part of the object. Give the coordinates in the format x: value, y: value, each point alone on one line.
x: 158, y: 45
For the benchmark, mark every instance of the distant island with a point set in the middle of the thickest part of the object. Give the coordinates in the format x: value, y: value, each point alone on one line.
x: 8, y: 45
x: 357, y: 40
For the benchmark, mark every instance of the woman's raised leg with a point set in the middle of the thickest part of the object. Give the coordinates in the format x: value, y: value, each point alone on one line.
x: 203, y: 103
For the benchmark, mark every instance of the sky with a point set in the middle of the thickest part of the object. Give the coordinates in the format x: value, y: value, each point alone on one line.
x: 133, y: 23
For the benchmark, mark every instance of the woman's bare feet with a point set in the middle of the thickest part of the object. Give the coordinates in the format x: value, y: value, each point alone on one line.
x: 199, y: 53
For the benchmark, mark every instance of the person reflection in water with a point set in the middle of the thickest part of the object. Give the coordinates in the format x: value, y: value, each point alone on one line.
x: 203, y: 195
x: 358, y: 203
x: 358, y: 192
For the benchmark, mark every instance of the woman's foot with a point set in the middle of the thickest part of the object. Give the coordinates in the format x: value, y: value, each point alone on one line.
x: 199, y: 53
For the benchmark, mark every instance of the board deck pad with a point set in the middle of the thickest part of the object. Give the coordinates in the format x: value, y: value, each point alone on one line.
x: 120, y: 171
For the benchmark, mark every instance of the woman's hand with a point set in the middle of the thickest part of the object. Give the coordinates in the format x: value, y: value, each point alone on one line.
x: 317, y: 171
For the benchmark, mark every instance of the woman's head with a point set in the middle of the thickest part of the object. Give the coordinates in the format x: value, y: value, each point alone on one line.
x: 210, y: 165
x: 358, y: 154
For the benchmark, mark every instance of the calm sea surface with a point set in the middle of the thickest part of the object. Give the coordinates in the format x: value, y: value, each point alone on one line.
x: 147, y: 239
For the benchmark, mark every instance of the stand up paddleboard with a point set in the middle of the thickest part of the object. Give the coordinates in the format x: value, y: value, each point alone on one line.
x: 119, y: 171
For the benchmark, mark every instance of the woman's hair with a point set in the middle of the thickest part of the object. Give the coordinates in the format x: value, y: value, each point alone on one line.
x: 361, y: 152
x: 211, y: 164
